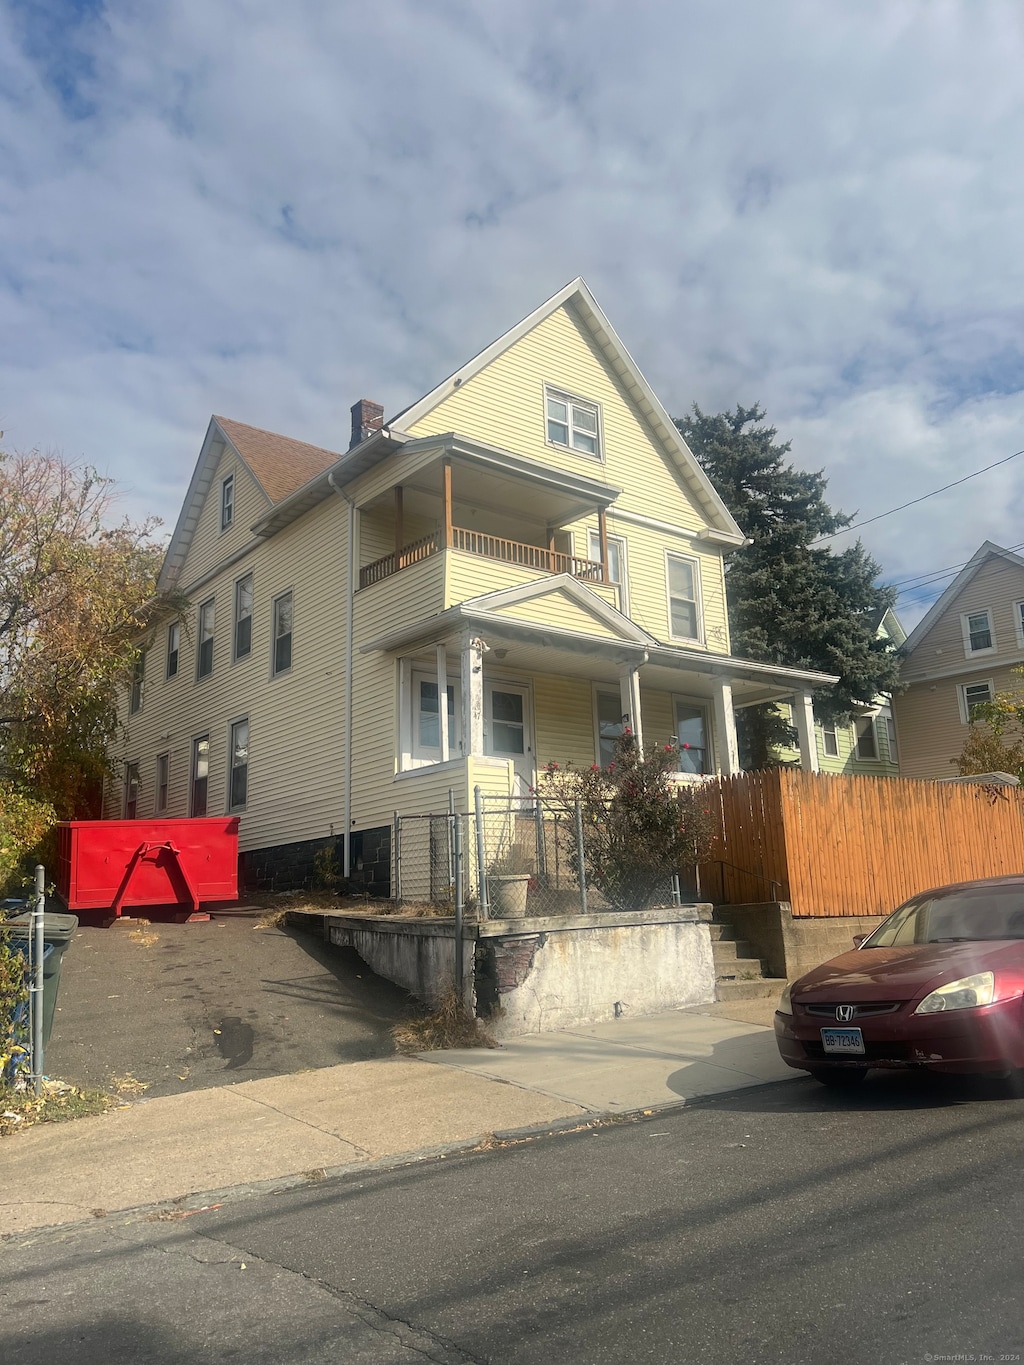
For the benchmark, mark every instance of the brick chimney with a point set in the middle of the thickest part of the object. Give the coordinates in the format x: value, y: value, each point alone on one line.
x: 367, y: 417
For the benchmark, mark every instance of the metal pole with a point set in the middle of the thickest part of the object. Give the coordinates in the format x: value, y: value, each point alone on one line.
x: 478, y: 802
x: 580, y: 861
x: 542, y: 861
x: 451, y: 842
x: 677, y: 896
x: 460, y: 966
x: 36, y: 997
x: 396, y: 839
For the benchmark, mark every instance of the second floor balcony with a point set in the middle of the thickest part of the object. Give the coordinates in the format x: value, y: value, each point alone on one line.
x: 507, y: 510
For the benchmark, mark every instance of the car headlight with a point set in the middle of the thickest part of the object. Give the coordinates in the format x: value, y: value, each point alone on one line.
x: 786, y: 1004
x: 960, y: 995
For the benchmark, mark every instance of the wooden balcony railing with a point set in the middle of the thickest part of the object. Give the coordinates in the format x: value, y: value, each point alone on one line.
x: 488, y: 547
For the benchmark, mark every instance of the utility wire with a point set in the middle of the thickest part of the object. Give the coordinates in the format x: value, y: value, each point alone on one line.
x: 923, y: 498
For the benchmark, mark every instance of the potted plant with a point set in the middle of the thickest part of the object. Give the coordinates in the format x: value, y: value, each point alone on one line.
x: 508, y: 883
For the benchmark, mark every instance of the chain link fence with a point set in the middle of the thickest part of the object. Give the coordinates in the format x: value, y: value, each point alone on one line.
x: 509, y: 858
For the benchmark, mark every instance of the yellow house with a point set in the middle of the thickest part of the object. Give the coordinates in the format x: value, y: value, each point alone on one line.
x: 503, y: 575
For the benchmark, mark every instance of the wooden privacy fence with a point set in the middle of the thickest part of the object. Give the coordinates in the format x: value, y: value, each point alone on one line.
x: 836, y: 845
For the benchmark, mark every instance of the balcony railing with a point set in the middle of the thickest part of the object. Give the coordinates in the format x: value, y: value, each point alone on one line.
x: 488, y: 547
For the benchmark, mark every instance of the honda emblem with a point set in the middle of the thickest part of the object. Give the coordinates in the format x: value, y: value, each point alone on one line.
x: 844, y: 1013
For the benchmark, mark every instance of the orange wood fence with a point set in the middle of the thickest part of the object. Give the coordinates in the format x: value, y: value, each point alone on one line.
x: 836, y: 845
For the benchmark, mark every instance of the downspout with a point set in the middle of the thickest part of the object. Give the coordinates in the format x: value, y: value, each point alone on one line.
x: 347, y: 798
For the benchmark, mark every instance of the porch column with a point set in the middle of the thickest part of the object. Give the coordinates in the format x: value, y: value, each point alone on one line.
x: 602, y: 535
x: 399, y: 529
x: 629, y: 691
x: 726, y: 749
x: 442, y: 703
x: 473, y: 697
x: 803, y: 718
x: 446, y: 497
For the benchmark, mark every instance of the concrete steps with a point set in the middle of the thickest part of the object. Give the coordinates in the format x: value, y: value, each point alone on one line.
x: 739, y: 975
x: 760, y: 988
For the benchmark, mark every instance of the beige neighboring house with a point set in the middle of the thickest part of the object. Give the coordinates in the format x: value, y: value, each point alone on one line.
x: 962, y: 652
x: 502, y: 575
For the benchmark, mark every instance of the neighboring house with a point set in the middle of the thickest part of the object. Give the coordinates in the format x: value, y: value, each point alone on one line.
x: 866, y: 745
x: 962, y: 652
x: 502, y: 575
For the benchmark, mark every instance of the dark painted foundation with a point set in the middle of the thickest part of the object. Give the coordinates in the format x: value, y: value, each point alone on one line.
x: 293, y: 867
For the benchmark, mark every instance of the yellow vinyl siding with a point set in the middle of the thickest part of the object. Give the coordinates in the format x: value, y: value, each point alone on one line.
x: 564, y: 720
x: 471, y: 576
x: 296, y: 756
x: 559, y: 610
x: 210, y: 545
x: 996, y: 586
x: 503, y: 406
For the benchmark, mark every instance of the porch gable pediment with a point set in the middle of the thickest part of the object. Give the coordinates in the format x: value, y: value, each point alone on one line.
x: 562, y: 602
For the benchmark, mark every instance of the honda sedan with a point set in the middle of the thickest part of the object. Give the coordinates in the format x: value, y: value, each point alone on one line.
x: 938, y: 986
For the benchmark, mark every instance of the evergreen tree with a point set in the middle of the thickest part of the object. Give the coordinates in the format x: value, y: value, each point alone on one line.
x: 791, y: 602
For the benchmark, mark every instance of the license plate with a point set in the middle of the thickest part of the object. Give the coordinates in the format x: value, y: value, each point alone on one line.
x: 848, y: 1040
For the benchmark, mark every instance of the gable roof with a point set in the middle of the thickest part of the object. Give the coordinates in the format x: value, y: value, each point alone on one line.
x: 577, y: 296
x: 987, y: 551
x: 278, y: 464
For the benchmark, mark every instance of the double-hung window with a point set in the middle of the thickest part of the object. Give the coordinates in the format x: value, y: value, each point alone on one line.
x: 239, y: 765
x: 573, y: 422
x: 227, y: 502
x: 616, y: 562
x: 173, y: 643
x: 163, y: 782
x: 867, y: 739
x: 200, y: 775
x: 243, y: 617
x: 683, y: 597
x: 829, y: 739
x: 979, y: 637
x: 972, y: 695
x: 138, y: 683
x: 692, y: 738
x: 610, y: 726
x: 204, y: 661
x: 282, y: 633
x: 131, y: 790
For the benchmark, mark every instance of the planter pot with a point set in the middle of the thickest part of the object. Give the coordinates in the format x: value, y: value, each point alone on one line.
x: 506, y: 894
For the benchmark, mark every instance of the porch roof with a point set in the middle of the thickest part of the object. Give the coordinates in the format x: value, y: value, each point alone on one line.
x: 534, y: 647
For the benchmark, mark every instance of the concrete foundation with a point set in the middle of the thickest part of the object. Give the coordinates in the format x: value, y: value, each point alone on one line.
x: 554, y: 972
x: 789, y: 946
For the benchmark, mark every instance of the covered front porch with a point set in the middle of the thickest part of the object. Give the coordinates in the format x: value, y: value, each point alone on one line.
x: 513, y: 695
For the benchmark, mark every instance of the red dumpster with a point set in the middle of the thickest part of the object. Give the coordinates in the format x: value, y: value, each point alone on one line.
x: 110, y: 864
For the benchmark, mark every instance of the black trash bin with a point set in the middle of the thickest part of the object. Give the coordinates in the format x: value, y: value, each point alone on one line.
x: 58, y: 931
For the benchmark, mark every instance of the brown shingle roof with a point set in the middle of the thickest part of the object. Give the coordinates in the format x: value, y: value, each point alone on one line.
x: 280, y: 464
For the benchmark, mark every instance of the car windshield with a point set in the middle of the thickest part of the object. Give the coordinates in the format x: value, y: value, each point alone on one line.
x: 983, y: 912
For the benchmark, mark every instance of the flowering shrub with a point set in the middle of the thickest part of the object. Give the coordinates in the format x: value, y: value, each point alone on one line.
x: 639, y: 827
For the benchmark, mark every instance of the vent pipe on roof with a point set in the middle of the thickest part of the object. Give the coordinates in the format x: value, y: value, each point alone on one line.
x: 367, y: 417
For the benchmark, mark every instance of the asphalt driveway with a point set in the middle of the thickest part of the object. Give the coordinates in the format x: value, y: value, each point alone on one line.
x: 186, y: 1006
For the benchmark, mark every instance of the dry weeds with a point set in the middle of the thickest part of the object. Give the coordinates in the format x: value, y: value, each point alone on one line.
x: 450, y: 1025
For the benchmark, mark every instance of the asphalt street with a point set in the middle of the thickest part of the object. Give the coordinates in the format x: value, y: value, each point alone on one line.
x: 780, y: 1224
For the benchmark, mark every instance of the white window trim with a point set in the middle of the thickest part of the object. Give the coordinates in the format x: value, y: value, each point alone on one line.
x: 274, y: 671
x: 970, y: 653
x: 238, y: 720
x: 829, y: 725
x: 168, y: 675
x: 697, y: 587
x: 194, y: 747
x: 709, y: 730
x: 1018, y: 623
x: 227, y: 482
x: 129, y: 765
x: 961, y: 696
x: 858, y: 757
x: 209, y: 602
x: 623, y: 587
x: 237, y: 658
x: 610, y: 690
x: 565, y: 396
x: 415, y: 755
x: 162, y: 810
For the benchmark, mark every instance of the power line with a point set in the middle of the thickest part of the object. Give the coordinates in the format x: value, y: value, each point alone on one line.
x: 923, y: 498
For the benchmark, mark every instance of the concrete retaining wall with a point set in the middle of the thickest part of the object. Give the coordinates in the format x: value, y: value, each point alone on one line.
x: 790, y: 946
x: 523, y: 976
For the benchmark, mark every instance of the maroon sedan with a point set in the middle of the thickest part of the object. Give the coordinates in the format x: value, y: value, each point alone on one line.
x: 938, y: 986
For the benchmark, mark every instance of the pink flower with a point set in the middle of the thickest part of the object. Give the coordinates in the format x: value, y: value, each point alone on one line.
x: 686, y: 746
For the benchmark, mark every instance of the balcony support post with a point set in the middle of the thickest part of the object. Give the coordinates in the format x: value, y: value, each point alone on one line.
x: 803, y: 718
x: 551, y: 551
x: 472, y: 697
x: 726, y: 748
x: 399, y: 529
x: 602, y: 531
x: 629, y: 693
x: 446, y: 497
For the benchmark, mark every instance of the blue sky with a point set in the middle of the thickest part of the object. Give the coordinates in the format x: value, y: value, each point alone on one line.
x: 270, y: 211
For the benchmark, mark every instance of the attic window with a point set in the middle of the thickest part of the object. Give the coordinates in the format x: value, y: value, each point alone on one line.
x: 573, y: 422
x: 227, y: 502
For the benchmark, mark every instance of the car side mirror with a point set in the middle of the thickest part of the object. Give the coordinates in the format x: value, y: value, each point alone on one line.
x: 858, y: 939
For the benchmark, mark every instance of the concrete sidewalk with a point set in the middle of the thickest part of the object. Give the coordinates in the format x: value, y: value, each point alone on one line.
x: 290, y: 1128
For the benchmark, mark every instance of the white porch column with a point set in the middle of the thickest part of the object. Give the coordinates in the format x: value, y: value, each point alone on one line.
x: 442, y: 703
x: 726, y: 749
x: 473, y: 697
x: 803, y: 718
x: 629, y: 692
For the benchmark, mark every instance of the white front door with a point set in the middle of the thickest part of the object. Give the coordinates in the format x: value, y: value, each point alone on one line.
x: 507, y: 732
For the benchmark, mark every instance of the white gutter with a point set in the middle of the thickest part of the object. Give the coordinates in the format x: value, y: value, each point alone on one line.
x: 347, y: 798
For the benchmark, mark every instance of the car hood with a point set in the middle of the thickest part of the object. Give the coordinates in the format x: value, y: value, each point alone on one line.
x: 901, y: 973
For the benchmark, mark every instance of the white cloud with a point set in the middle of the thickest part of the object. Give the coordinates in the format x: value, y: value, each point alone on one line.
x: 270, y: 211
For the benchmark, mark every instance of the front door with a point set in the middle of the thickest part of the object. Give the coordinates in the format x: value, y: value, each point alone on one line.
x: 507, y: 730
